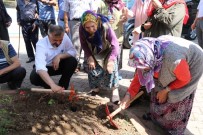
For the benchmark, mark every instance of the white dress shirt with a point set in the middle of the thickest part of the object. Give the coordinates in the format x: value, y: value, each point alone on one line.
x: 76, y: 8
x: 45, y: 52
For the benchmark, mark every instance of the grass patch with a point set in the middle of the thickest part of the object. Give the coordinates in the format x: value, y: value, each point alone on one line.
x: 5, y: 120
x: 5, y: 99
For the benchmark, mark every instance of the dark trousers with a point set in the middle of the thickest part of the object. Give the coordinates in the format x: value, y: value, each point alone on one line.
x: 15, y: 76
x: 44, y: 26
x: 3, y: 32
x: 30, y: 38
x: 66, y: 69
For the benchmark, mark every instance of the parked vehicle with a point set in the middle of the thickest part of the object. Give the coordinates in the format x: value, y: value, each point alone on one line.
x: 187, y: 33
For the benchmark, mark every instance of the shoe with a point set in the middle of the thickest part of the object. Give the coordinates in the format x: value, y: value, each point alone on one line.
x: 30, y: 60
x: 147, y: 116
x: 115, y: 96
x: 12, y: 86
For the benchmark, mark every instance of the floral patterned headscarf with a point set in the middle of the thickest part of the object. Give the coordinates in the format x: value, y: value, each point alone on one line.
x: 147, y: 53
x: 89, y: 16
x: 96, y: 38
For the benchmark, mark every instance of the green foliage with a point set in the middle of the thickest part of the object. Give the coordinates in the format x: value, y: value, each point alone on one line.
x: 5, y: 99
x: 51, y: 102
x: 4, y: 121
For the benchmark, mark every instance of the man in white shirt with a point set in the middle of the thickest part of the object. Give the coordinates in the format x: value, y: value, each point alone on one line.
x: 73, y: 10
x: 198, y: 23
x: 55, y: 55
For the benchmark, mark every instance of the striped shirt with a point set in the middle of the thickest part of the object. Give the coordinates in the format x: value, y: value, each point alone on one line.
x: 11, y: 53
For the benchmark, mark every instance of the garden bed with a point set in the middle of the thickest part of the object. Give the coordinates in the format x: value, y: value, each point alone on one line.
x: 30, y: 113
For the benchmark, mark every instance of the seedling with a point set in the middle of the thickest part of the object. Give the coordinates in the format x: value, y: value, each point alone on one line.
x: 51, y: 102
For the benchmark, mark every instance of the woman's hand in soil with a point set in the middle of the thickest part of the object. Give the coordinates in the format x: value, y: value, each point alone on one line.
x: 56, y: 89
x: 124, y: 103
x: 91, y: 63
x: 110, y: 66
x: 162, y: 96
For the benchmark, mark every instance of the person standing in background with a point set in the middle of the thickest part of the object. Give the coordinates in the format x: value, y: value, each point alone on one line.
x: 139, y: 12
x: 5, y: 22
x: 60, y: 17
x: 198, y: 23
x: 46, y: 15
x: 165, y: 17
x: 27, y: 18
x: 73, y: 9
x: 113, y: 10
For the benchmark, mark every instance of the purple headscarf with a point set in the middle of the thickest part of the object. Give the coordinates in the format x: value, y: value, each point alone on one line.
x: 147, y: 53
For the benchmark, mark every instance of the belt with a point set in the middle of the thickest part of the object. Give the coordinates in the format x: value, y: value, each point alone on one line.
x: 76, y: 19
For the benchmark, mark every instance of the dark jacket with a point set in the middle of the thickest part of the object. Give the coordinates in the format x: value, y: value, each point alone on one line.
x: 166, y: 22
x: 4, y: 17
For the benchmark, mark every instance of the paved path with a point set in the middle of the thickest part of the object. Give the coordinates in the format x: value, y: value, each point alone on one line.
x: 195, y: 125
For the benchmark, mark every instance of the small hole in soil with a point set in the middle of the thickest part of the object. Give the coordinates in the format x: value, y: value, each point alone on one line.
x: 73, y: 108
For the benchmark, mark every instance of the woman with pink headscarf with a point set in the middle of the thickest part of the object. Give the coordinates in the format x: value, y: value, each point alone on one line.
x: 139, y: 12
x: 170, y: 68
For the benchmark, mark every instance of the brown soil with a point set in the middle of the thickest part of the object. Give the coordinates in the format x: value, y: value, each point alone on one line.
x: 51, y: 114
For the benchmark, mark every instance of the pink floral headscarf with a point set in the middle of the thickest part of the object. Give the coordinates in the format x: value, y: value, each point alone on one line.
x: 147, y: 53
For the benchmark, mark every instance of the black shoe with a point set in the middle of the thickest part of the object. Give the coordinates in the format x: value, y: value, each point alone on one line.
x: 93, y: 93
x: 30, y: 60
x: 147, y: 116
x: 12, y: 86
